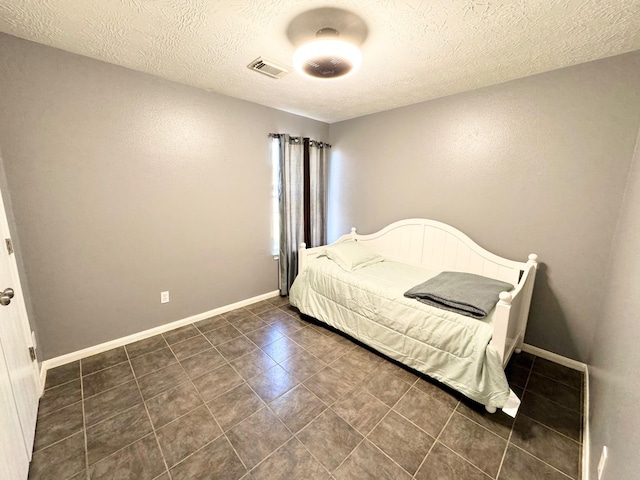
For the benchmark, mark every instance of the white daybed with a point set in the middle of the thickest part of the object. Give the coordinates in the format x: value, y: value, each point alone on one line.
x: 468, y: 354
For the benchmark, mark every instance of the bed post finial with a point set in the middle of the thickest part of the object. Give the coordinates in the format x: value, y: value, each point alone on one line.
x: 353, y: 233
x: 505, y: 298
x: 533, y: 259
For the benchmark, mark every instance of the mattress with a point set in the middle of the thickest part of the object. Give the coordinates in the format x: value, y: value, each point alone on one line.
x: 368, y: 304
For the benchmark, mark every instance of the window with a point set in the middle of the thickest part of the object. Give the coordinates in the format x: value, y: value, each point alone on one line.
x: 275, y: 197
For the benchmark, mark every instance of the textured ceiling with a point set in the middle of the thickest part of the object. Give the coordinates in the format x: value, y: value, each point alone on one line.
x: 414, y: 51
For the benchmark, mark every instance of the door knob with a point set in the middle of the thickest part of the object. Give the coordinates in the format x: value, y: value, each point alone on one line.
x: 6, y: 296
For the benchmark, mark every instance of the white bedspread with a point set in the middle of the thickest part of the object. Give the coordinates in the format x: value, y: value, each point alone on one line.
x: 369, y: 305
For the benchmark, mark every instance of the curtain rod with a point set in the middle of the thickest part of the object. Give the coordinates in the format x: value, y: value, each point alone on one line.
x: 316, y: 142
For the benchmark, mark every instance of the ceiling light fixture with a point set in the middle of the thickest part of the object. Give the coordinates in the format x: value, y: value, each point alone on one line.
x: 327, y: 56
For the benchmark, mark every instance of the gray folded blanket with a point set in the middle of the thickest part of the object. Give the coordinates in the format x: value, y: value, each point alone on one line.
x: 463, y: 293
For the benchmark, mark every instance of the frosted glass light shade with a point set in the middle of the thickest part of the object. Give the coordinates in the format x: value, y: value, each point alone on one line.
x: 327, y: 58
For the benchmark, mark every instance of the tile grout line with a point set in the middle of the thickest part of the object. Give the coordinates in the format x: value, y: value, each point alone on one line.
x: 557, y: 380
x: 579, y: 442
x: 124, y: 446
x: 554, y: 431
x: 206, y: 405
x: 135, y: 378
x: 508, y: 439
x: 542, y: 461
x: 556, y: 403
x: 423, y: 430
x: 580, y: 390
x: 504, y: 454
x: 359, y: 383
x: 293, y: 435
x: 535, y: 456
x: 144, y: 404
x: 268, y: 406
x: 480, y: 425
x: 468, y: 462
x: 107, y: 368
x: 105, y: 391
x: 365, y: 437
x: 64, y: 438
x: 301, y: 383
x: 84, y: 424
x: 59, y: 385
x: 438, y: 438
x: 392, y: 409
x: 328, y: 407
x: 484, y: 428
x: 524, y: 393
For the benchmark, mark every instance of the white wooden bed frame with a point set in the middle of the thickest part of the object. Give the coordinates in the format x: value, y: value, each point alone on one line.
x: 437, y: 246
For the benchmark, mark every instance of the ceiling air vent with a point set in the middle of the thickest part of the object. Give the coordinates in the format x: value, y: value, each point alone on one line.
x: 268, y: 67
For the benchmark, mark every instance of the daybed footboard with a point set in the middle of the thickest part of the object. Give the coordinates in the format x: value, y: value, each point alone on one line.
x: 512, y: 313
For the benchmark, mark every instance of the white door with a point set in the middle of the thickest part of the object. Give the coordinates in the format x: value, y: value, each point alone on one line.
x: 16, y: 366
x: 13, y: 455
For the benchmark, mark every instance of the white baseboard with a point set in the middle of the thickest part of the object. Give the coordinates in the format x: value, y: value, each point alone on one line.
x: 586, y: 438
x: 118, y: 342
x: 583, y: 367
x: 554, y: 357
x: 43, y: 377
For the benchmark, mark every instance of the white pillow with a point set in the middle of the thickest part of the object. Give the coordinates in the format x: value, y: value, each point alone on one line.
x: 352, y: 255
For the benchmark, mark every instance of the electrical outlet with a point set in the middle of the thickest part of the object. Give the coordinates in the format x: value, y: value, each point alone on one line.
x: 164, y: 297
x: 603, y: 461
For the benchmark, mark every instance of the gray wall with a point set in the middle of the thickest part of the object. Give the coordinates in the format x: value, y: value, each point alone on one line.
x: 615, y: 358
x: 124, y: 185
x: 533, y: 165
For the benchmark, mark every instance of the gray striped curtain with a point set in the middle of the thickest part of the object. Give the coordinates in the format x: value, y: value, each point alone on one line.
x: 292, y: 201
x: 317, y: 194
x: 291, y: 208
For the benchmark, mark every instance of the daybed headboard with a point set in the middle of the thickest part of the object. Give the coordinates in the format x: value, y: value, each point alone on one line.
x: 435, y: 246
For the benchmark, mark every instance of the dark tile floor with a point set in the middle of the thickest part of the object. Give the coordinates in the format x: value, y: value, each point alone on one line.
x: 262, y: 393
